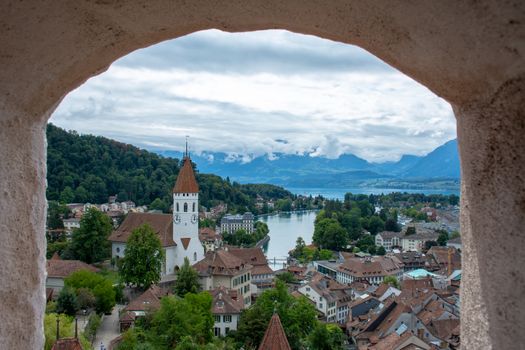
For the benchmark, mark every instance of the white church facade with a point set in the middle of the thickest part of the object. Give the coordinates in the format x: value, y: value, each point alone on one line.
x: 178, y: 233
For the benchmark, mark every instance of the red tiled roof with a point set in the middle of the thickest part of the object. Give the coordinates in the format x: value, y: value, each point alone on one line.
x: 252, y: 256
x: 224, y: 303
x: 221, y: 262
x: 186, y: 182
x: 67, y: 344
x: 275, y: 338
x: 64, y: 268
x: 149, y: 300
x: 370, y: 266
x: 162, y: 225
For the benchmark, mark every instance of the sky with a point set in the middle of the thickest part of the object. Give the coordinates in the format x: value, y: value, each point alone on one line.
x: 257, y: 93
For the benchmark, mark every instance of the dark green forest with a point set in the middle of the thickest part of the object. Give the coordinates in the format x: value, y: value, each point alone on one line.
x: 87, y: 168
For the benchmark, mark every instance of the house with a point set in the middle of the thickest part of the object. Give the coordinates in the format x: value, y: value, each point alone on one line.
x: 262, y: 274
x: 416, y: 242
x: 178, y: 233
x: 220, y: 268
x: 71, y: 224
x: 325, y: 299
x: 232, y: 223
x: 388, y: 239
x: 371, y: 269
x: 400, y: 341
x: 67, y: 344
x: 385, y: 291
x: 411, y: 260
x: 148, y: 301
x: 210, y: 239
x: 226, y: 310
x: 275, y: 337
x: 443, y: 259
x: 58, y: 270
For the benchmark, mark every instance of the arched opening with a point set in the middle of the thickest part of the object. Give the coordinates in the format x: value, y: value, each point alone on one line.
x: 185, y: 207
x: 428, y: 43
x: 193, y: 207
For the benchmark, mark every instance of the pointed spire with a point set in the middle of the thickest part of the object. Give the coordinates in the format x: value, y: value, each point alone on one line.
x: 186, y: 182
x: 275, y: 338
x: 186, y: 154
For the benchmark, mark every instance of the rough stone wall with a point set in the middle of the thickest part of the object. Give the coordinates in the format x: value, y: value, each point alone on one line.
x: 470, y: 53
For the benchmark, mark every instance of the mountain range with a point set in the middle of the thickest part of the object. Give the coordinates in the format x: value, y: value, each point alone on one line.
x: 438, y: 168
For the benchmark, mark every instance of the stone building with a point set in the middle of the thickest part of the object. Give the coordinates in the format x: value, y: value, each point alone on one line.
x: 232, y: 223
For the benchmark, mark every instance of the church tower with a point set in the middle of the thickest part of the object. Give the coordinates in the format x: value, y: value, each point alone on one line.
x: 186, y: 216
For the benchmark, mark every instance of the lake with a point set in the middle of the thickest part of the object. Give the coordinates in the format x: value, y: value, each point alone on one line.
x: 285, y: 228
x: 339, y: 193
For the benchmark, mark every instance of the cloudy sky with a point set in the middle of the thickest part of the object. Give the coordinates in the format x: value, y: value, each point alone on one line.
x: 260, y: 93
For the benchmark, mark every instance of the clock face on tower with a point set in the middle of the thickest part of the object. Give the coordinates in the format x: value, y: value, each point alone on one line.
x: 194, y: 218
x: 176, y: 219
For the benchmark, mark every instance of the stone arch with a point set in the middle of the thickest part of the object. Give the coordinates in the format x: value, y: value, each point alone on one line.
x: 470, y: 53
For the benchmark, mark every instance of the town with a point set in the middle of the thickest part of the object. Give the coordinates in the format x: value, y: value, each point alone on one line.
x: 193, y: 277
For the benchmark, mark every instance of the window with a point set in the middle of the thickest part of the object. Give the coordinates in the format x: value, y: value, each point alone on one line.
x: 227, y: 330
x: 177, y: 207
x: 193, y: 207
x: 320, y: 305
x: 227, y: 318
x: 185, y: 207
x: 217, y: 331
x: 217, y: 318
x: 195, y: 256
x: 118, y: 250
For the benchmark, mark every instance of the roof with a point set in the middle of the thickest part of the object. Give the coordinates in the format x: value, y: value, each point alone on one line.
x: 207, y: 233
x: 62, y: 268
x: 421, y: 273
x: 443, y: 329
x: 224, y: 301
x: 262, y: 270
x: 390, y: 234
x: 186, y: 182
x: 67, y: 344
x: 373, y: 266
x: 148, y: 300
x: 162, y: 225
x: 220, y: 262
x: 252, y: 256
x: 274, y: 338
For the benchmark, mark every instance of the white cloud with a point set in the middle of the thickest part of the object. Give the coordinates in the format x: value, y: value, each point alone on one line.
x: 246, y: 93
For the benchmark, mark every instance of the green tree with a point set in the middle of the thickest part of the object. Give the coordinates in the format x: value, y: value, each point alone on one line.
x: 143, y: 258
x: 329, y: 234
x: 101, y: 287
x: 391, y: 280
x: 443, y: 238
x: 56, y: 212
x: 381, y: 250
x: 372, y: 249
x: 181, y: 317
x: 159, y: 204
x: 286, y: 277
x: 376, y: 225
x: 365, y: 242
x: 391, y: 225
x: 325, y: 254
x: 187, y: 280
x: 90, y: 242
x: 326, y: 337
x: 67, y: 195
x: 85, y: 298
x: 299, y: 247
x: 67, y: 302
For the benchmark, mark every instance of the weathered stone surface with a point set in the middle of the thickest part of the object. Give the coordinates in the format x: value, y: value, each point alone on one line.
x: 470, y: 53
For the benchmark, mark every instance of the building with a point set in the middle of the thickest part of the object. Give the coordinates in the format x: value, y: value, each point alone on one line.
x: 149, y: 301
x: 71, y: 224
x: 388, y: 240
x: 370, y: 269
x: 226, y: 310
x: 178, y: 233
x: 262, y: 274
x: 411, y: 260
x: 210, y: 239
x: 329, y: 297
x: 220, y: 268
x: 416, y: 242
x: 232, y: 223
x: 58, y: 270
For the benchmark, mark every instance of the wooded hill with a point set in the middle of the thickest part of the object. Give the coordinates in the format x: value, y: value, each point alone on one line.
x: 87, y: 168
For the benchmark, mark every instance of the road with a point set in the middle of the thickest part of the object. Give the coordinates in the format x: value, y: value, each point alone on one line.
x: 108, y: 330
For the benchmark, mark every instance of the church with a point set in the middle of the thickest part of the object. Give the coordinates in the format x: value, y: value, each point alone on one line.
x: 178, y: 233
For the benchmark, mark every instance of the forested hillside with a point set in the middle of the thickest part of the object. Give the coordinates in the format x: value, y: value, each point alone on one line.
x: 86, y: 168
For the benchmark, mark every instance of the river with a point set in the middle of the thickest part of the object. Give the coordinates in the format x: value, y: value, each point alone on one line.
x: 285, y: 228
